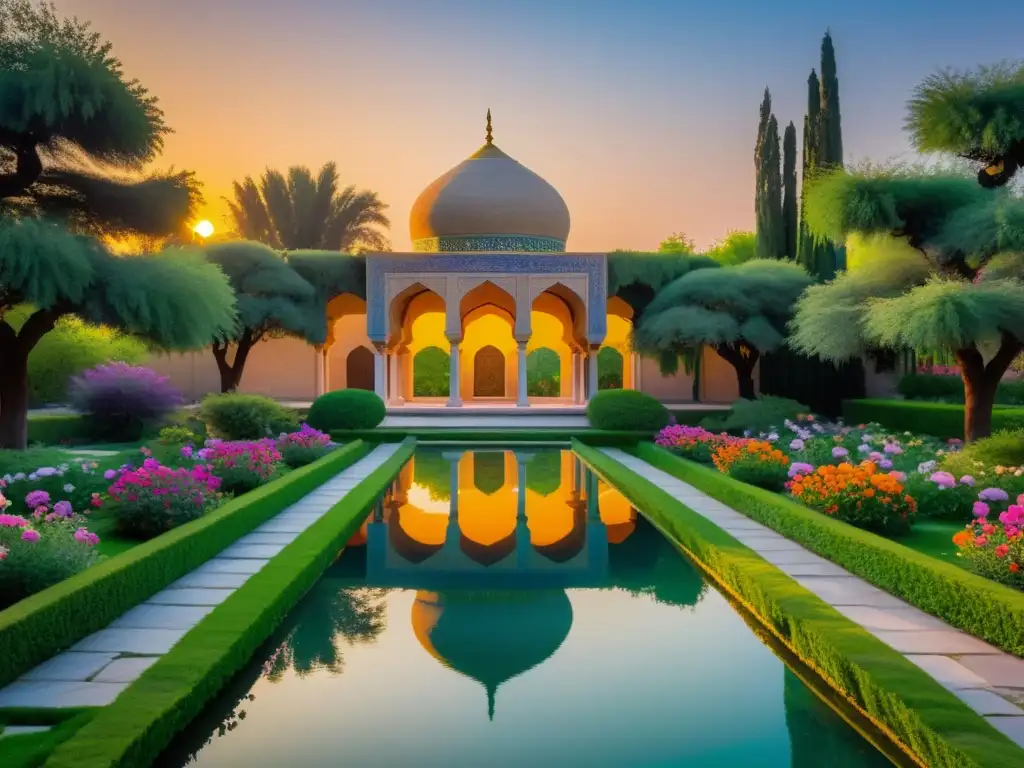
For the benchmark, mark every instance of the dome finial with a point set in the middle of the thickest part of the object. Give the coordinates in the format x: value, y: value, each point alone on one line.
x: 490, y: 138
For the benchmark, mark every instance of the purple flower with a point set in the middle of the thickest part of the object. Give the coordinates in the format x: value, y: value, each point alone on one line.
x: 186, y: 451
x: 863, y: 448
x: 47, y: 472
x: 893, y: 448
x: 885, y: 464
x: 109, y: 474
x: 63, y: 509
x: 993, y: 494
x: 967, y: 480
x: 800, y: 468
x: 943, y: 479
x: 839, y: 452
x: 875, y: 456
x: 980, y: 509
x: 37, y: 499
x: 796, y: 444
x: 30, y: 535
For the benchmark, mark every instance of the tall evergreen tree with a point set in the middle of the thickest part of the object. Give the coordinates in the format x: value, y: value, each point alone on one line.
x: 789, y: 212
x: 831, y: 257
x: 762, y: 127
x: 806, y: 248
x: 770, y: 232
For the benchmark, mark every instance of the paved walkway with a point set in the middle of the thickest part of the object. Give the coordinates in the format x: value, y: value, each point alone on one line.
x: 988, y: 680
x: 95, y: 670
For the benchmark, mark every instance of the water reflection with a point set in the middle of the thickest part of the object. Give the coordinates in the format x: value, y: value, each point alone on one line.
x: 523, y: 583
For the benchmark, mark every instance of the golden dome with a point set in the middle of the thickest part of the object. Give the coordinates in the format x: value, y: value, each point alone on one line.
x: 489, y: 202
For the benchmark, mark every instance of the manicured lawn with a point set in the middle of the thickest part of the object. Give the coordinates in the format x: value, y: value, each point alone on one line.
x: 934, y: 538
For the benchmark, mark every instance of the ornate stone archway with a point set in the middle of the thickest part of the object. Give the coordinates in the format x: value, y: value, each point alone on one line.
x: 489, y: 373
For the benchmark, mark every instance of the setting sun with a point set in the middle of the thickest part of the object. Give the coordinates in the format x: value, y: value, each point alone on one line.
x: 204, y: 228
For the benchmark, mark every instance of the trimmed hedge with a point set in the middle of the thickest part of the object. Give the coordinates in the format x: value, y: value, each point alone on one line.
x: 950, y: 389
x: 926, y: 719
x: 30, y: 750
x: 974, y: 604
x: 54, y: 430
x: 943, y: 420
x: 143, y: 720
x: 397, y: 434
x: 40, y: 626
x: 693, y: 418
x: 347, y: 409
x: 626, y: 409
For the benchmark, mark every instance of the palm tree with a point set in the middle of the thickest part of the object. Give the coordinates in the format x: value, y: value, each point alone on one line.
x: 301, y: 211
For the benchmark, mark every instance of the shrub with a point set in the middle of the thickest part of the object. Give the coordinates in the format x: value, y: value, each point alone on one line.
x: 950, y: 389
x: 33, y: 558
x: 626, y: 409
x: 347, y: 409
x: 303, y: 447
x: 995, y: 550
x: 938, y: 499
x: 120, y: 401
x: 177, y: 436
x: 760, y: 415
x: 154, y: 498
x: 241, y: 465
x: 246, y: 417
x: 694, y: 443
x: 753, y: 461
x: 1004, y: 448
x: 943, y: 420
x: 858, y: 495
x: 78, y: 482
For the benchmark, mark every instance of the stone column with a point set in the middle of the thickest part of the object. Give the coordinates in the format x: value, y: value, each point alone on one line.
x: 380, y: 371
x: 454, y: 386
x: 574, y: 379
x: 319, y: 384
x: 592, y: 372
x: 522, y: 400
x: 452, y: 533
x: 635, y: 358
x: 393, y: 376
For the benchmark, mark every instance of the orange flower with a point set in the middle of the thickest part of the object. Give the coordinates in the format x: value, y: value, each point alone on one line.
x: 962, y: 538
x: 869, y: 492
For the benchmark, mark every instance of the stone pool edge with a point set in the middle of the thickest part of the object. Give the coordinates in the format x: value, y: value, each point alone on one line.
x: 142, y: 721
x: 927, y: 722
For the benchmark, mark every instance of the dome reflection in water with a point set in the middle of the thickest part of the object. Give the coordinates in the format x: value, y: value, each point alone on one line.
x: 507, y: 608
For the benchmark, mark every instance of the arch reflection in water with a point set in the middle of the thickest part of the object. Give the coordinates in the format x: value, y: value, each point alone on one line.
x: 478, y: 605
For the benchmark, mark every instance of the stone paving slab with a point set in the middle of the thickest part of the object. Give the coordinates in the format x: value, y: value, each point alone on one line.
x: 125, y: 670
x: 986, y: 679
x: 162, y: 617
x: 71, y: 666
x: 190, y: 596
x: 91, y: 672
x: 32, y: 693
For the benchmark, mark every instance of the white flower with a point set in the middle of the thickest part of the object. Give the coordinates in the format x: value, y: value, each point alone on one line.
x: 68, y: 488
x: 33, y: 476
x: 20, y: 476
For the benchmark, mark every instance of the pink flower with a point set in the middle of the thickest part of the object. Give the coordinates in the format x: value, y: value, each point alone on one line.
x: 1014, y: 515
x: 3, y: 553
x: 1002, y: 550
x: 981, y: 541
x: 980, y: 509
x: 13, y: 521
x: 30, y: 535
x: 967, y: 480
x: 893, y: 448
x: 899, y: 477
x: 109, y: 474
x: 37, y: 499
x: 943, y: 479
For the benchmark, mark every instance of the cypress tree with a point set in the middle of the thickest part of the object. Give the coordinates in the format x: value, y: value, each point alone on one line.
x: 762, y: 126
x: 770, y: 232
x: 789, y: 223
x: 807, y: 247
x: 830, y: 144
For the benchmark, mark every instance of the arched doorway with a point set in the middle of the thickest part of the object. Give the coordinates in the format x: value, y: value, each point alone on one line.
x: 489, y: 372
x: 610, y: 368
x: 359, y: 369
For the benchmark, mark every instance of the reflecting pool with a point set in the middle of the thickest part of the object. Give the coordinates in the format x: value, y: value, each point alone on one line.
x: 529, y: 618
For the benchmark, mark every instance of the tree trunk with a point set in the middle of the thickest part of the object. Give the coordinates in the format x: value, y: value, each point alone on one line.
x: 981, y: 382
x: 743, y: 364
x: 13, y: 397
x: 231, y: 373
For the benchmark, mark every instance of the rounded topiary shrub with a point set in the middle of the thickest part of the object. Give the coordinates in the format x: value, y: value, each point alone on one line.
x: 627, y: 409
x: 346, y: 409
x: 246, y: 417
x: 120, y: 402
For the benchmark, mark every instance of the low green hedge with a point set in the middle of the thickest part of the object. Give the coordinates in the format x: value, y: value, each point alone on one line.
x: 143, y: 720
x: 30, y: 750
x: 46, y: 623
x: 626, y: 409
x: 976, y: 605
x: 602, y: 437
x: 943, y: 420
x: 929, y: 721
x: 693, y: 418
x: 54, y: 430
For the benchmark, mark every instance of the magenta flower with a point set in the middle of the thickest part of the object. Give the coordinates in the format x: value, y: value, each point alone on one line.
x: 980, y: 509
x: 943, y: 479
x: 109, y: 474
x: 30, y: 535
x: 37, y: 499
x: 12, y: 521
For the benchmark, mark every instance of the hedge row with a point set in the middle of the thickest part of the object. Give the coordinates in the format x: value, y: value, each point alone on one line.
x: 29, y: 750
x: 930, y: 722
x: 397, y: 435
x: 46, y: 623
x: 943, y: 420
x: 143, y: 720
x: 54, y: 430
x: 976, y: 605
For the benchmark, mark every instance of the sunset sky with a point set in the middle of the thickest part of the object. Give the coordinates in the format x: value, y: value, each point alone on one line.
x: 642, y: 113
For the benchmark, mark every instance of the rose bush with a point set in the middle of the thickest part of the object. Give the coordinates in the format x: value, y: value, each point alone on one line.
x: 154, y: 498
x: 241, y: 465
x: 995, y: 548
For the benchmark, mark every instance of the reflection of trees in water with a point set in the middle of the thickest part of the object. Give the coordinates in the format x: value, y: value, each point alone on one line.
x: 432, y: 471
x: 645, y: 564
x: 544, y: 472
x: 320, y: 621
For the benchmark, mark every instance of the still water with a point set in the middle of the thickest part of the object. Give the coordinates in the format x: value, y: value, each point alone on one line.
x: 503, y: 625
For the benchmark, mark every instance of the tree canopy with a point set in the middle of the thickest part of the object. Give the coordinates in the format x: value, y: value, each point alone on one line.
x: 637, y: 276
x: 75, y: 132
x: 736, y: 248
x: 299, y: 211
x: 740, y: 311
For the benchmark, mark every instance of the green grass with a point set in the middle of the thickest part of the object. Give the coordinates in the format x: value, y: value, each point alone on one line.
x: 34, y: 629
x: 943, y: 420
x: 143, y: 720
x: 588, y: 436
x: 935, y: 539
x: 969, y: 602
x: 929, y: 721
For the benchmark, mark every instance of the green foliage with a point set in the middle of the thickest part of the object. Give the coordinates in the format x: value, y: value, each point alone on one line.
x: 1005, y: 449
x: 330, y: 273
x: 975, y: 115
x: 346, y: 409
x: 636, y: 276
x: 178, y: 436
x: 942, y: 420
x: 678, y: 243
x: 31, y: 750
x: 298, y: 210
x: 40, y: 626
x: 789, y: 192
x: 246, y: 417
x: 609, y: 368
x: 771, y: 234
x: 736, y: 248
x: 760, y: 415
x: 543, y: 373
x: 54, y: 430
x: 476, y: 435
x: 749, y: 303
x: 431, y: 368
x: 922, y: 714
x: 70, y: 348
x: 170, y: 694
x: 30, y: 567
x: 626, y: 409
x: 950, y: 389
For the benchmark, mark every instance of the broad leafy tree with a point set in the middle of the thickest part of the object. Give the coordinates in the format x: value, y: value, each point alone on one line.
x: 740, y: 312
x: 174, y: 299
x: 958, y: 287
x: 736, y: 248
x: 297, y: 210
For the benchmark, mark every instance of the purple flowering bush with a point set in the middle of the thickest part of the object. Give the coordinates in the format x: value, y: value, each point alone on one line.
x: 36, y: 554
x: 300, y: 448
x: 154, y: 498
x: 120, y: 401
x: 77, y: 482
